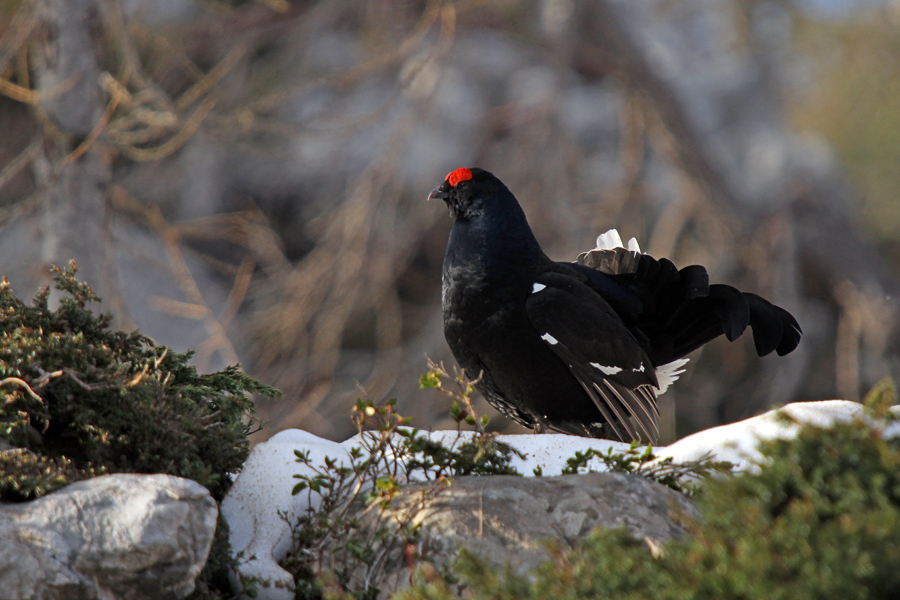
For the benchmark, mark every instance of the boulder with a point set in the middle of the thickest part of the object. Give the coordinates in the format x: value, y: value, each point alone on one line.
x: 507, y: 520
x: 115, y: 536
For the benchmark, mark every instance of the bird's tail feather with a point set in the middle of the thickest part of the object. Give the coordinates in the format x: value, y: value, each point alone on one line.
x: 682, y: 311
x: 773, y: 327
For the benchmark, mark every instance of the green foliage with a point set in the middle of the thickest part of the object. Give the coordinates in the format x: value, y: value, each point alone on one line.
x: 641, y: 461
x: 337, y: 551
x: 819, y: 519
x: 460, y: 390
x: 481, y: 455
x: 882, y: 397
x: 78, y: 399
x: 822, y: 519
x: 24, y: 473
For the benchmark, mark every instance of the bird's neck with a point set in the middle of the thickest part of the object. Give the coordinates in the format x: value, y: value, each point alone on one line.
x: 493, y: 247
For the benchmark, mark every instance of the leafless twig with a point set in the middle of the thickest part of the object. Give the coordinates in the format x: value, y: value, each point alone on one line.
x: 22, y: 384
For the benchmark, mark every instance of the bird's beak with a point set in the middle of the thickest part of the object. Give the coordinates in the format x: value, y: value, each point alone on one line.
x: 436, y: 193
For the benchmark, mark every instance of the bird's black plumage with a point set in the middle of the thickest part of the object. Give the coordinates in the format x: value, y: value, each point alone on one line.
x: 584, y: 347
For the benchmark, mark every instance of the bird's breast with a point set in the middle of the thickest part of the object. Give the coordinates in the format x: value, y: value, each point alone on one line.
x: 485, y: 283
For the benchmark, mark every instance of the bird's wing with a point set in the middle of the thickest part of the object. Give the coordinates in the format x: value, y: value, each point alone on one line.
x: 601, y: 353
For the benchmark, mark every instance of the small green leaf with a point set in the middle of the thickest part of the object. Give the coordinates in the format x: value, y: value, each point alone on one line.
x: 431, y: 379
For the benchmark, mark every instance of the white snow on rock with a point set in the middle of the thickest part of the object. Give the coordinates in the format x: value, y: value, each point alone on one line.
x: 260, y: 496
x: 262, y: 491
x: 737, y: 442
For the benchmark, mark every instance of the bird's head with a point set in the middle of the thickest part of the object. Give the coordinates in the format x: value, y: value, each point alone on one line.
x: 466, y: 191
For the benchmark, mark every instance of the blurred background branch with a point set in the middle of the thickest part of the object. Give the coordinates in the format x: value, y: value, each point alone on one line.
x: 248, y: 178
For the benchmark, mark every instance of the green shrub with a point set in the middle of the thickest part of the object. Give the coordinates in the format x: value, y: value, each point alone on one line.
x: 337, y: 553
x: 820, y: 519
x: 684, y: 477
x: 78, y: 399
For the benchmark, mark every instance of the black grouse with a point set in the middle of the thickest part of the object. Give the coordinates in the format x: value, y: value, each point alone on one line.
x: 582, y: 348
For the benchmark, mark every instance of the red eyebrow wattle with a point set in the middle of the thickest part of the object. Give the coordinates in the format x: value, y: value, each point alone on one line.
x: 459, y: 175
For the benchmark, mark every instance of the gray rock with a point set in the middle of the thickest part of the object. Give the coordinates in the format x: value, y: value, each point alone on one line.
x: 116, y: 536
x: 506, y: 519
